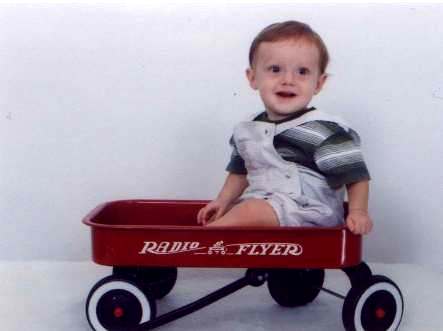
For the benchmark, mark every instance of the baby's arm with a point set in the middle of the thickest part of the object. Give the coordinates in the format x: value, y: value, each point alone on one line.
x: 358, y: 220
x: 233, y: 187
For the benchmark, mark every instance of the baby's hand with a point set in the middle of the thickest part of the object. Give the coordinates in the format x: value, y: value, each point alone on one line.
x: 212, y: 211
x: 359, y: 222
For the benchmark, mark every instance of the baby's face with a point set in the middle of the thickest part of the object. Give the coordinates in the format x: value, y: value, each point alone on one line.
x: 287, y: 75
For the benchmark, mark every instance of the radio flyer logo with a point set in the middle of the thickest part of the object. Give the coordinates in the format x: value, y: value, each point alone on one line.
x: 220, y: 248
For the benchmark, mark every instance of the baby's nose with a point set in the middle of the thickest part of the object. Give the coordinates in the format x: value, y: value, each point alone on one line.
x: 289, y: 77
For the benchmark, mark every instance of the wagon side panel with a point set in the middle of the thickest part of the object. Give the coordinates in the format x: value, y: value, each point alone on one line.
x: 199, y: 247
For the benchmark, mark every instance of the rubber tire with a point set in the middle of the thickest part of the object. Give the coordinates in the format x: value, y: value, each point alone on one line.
x: 126, y: 290
x: 359, y: 311
x: 295, y: 287
x: 156, y: 281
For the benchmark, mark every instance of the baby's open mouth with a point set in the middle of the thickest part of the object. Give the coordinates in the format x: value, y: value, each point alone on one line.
x: 286, y: 94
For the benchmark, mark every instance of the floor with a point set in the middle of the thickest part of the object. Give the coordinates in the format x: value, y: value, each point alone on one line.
x: 42, y: 296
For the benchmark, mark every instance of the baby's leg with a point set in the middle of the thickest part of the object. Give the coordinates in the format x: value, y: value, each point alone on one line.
x: 252, y: 212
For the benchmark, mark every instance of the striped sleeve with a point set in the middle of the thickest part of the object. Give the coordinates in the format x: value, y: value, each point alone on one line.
x: 340, y: 159
x: 236, y: 164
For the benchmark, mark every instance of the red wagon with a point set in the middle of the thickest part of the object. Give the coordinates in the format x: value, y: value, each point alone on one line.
x: 145, y: 241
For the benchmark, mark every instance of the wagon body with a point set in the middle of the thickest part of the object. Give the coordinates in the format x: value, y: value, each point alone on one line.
x: 166, y: 233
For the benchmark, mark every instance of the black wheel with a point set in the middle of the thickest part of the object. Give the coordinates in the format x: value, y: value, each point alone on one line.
x: 375, y: 306
x: 158, y: 282
x: 295, y: 287
x: 117, y: 304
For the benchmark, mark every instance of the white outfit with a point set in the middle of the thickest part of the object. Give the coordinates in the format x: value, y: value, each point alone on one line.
x: 299, y: 196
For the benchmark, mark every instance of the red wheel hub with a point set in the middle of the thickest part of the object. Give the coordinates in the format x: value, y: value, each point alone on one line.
x: 118, y: 312
x: 380, y: 313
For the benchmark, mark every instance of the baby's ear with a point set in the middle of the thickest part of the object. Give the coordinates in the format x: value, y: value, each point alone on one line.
x: 250, y: 75
x: 321, y: 82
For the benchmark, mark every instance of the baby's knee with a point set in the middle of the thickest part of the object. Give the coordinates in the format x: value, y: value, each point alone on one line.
x: 261, y: 211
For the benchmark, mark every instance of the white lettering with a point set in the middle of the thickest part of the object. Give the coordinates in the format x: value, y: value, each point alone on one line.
x: 294, y: 249
x: 253, y: 250
x: 166, y: 247
x: 274, y: 249
x: 242, y: 248
x: 148, y: 247
x: 163, y: 247
x: 176, y: 246
x: 265, y: 248
x: 277, y: 249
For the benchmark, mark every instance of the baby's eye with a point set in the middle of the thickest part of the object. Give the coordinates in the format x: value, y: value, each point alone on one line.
x: 303, y: 71
x: 274, y: 68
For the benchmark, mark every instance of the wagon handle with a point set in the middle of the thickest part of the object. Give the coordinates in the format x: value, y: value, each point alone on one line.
x: 253, y: 277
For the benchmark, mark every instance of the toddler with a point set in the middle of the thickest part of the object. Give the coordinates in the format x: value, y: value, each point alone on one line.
x: 290, y: 164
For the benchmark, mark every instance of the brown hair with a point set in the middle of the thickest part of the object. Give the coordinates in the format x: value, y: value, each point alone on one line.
x: 290, y: 30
